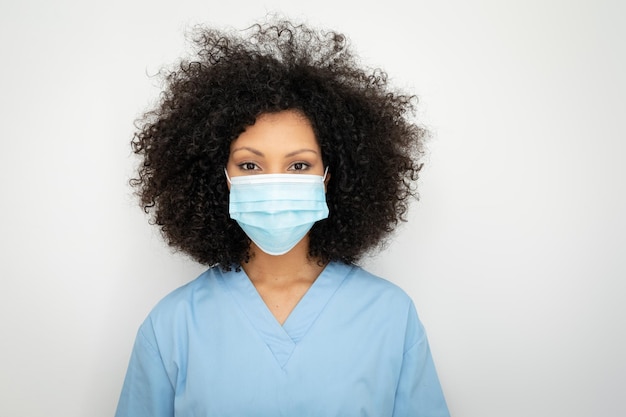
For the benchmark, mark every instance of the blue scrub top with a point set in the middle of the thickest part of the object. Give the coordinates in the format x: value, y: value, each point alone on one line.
x: 353, y: 346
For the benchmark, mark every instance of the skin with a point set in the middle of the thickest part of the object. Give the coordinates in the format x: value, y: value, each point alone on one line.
x: 279, y: 143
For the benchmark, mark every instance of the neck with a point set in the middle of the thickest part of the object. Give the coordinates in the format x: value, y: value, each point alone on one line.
x: 293, y: 266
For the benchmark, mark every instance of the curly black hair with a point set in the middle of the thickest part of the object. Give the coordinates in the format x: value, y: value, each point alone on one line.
x: 365, y: 130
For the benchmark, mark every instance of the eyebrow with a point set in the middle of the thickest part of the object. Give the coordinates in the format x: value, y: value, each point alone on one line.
x: 290, y: 154
x: 259, y: 153
x: 246, y: 148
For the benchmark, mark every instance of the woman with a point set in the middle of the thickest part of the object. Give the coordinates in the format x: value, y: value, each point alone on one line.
x: 277, y: 161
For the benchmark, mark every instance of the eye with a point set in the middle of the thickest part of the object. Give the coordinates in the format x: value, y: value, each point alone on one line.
x: 299, y: 166
x: 248, y: 166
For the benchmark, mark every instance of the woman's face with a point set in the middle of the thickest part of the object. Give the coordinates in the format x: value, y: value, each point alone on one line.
x: 278, y: 143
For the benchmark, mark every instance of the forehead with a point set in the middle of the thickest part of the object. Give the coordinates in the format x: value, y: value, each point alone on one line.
x: 283, y: 129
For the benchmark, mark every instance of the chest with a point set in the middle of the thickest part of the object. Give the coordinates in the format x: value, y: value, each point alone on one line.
x: 338, y: 353
x: 329, y: 372
x: 281, y: 300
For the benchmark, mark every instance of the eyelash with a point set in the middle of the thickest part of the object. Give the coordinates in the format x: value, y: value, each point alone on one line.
x: 245, y: 166
x: 304, y: 167
x: 251, y: 166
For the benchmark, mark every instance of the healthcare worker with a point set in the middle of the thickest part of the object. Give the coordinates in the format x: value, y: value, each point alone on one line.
x: 277, y: 161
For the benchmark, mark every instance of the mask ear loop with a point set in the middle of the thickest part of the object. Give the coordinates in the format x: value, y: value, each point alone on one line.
x: 324, y: 177
x: 227, y: 177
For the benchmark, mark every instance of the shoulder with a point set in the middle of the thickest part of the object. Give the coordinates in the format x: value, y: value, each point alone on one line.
x: 363, y: 283
x: 378, y: 303
x: 370, y: 294
x: 198, y: 297
x: 185, y: 293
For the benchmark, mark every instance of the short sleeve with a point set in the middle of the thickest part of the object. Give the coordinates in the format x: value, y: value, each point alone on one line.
x: 418, y: 393
x: 147, y: 390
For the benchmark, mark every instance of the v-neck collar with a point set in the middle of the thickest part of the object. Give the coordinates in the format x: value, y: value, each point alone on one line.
x: 282, y: 340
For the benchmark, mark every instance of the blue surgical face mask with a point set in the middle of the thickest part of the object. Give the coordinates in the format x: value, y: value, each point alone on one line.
x: 277, y: 210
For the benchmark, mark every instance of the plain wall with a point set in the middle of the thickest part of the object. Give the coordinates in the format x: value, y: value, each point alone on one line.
x: 514, y: 255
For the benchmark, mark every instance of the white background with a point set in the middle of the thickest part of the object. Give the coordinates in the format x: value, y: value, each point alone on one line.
x: 515, y: 254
